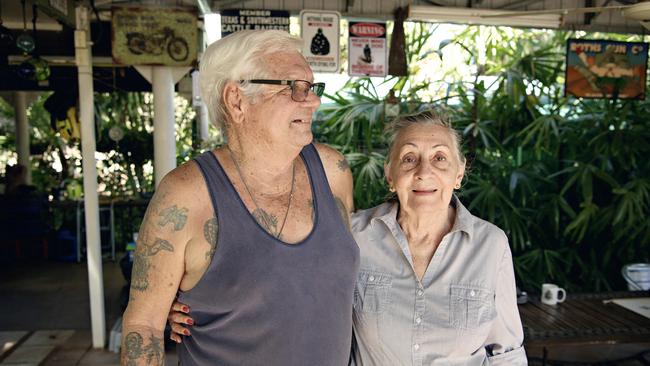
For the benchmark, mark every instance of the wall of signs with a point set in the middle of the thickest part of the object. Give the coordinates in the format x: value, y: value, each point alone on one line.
x: 154, y: 36
x: 606, y: 69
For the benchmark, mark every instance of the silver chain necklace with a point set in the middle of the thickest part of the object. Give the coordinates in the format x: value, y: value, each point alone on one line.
x: 257, y: 207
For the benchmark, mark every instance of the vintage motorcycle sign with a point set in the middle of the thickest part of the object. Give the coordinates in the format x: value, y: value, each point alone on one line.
x: 154, y: 36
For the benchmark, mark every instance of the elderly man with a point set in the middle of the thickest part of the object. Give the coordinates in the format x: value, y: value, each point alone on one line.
x: 253, y: 235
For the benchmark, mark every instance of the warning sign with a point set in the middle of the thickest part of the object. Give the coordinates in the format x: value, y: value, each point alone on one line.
x: 320, y: 34
x: 367, y: 44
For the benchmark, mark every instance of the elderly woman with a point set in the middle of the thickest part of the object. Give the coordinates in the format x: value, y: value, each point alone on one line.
x: 252, y: 235
x: 436, y: 284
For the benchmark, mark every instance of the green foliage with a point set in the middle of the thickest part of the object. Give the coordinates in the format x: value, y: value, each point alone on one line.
x: 568, y: 180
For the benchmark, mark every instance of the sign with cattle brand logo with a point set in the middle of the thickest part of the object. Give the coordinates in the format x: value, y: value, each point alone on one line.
x: 368, y: 53
x: 233, y: 20
x: 154, y: 36
x: 320, y: 34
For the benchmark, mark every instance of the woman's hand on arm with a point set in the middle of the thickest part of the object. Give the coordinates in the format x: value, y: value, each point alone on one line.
x: 178, y: 320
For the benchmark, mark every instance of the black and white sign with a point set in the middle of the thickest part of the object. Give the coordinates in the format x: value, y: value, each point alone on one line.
x: 320, y: 33
x: 233, y: 20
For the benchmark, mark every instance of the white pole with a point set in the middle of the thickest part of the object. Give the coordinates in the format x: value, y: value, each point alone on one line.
x: 204, y: 122
x: 91, y: 204
x: 164, y: 131
x: 22, y: 133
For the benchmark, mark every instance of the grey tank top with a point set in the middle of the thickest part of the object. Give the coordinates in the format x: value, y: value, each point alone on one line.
x: 264, y: 302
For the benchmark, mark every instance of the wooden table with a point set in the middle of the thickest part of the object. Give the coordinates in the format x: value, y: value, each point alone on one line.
x: 583, y: 328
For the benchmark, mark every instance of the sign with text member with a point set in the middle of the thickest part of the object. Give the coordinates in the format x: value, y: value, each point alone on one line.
x: 320, y: 34
x: 367, y: 49
x: 233, y: 20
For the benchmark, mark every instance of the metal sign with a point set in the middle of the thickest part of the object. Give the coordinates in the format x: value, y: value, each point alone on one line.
x: 606, y: 69
x: 320, y: 34
x: 233, y: 20
x: 368, y: 53
x: 148, y: 36
x: 61, y: 10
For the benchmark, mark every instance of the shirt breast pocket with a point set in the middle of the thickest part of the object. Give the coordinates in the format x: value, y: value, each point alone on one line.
x: 470, y: 307
x: 372, y: 292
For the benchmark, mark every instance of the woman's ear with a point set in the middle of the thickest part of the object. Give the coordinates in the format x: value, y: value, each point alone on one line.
x: 460, y: 175
x: 232, y: 98
x: 389, y: 179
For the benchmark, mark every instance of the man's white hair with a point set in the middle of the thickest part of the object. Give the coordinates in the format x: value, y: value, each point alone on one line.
x: 239, y: 56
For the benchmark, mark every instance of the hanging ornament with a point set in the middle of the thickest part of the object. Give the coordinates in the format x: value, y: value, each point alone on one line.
x: 24, y: 41
x: 116, y: 133
x: 26, y: 70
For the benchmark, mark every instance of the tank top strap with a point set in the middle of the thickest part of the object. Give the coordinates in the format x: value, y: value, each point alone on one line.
x: 318, y: 177
x: 222, y: 193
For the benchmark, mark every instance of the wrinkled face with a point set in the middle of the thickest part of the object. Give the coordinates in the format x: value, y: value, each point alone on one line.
x: 424, y: 168
x: 274, y: 116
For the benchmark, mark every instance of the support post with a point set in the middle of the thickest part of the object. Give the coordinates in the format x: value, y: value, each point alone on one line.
x: 22, y: 133
x: 164, y: 129
x: 91, y: 202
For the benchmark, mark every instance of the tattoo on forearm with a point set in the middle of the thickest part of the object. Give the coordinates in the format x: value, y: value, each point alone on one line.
x: 343, y: 165
x: 177, y: 216
x: 142, y: 261
x: 268, y: 221
x: 210, y: 232
x: 135, y: 350
x: 344, y: 211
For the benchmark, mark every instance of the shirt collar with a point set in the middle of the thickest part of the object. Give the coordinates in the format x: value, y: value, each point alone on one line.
x: 387, y: 213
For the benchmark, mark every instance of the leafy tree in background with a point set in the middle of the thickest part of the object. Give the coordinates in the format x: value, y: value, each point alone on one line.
x: 565, y: 178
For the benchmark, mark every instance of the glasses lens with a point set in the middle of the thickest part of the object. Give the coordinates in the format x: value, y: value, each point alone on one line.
x: 299, y: 90
x: 318, y: 88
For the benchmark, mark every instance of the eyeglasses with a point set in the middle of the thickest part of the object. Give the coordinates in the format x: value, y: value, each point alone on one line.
x: 299, y: 88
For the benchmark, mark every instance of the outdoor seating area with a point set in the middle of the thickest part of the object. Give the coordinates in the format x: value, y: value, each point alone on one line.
x: 474, y: 152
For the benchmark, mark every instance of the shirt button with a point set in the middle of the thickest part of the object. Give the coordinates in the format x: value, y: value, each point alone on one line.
x: 420, y: 292
x: 472, y: 293
x: 418, y: 320
x: 416, y: 346
x: 371, y: 278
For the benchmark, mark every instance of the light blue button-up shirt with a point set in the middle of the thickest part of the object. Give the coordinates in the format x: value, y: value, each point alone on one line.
x: 463, y: 312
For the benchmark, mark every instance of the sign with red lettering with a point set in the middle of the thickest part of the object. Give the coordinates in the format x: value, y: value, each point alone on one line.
x: 320, y: 34
x: 368, y: 54
x: 606, y: 69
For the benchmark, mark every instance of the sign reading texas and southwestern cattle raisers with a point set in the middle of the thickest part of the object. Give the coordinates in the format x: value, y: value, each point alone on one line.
x: 233, y: 20
x: 367, y: 44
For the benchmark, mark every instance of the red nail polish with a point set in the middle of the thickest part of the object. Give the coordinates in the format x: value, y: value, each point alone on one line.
x: 186, y: 309
x: 186, y: 332
x: 190, y: 321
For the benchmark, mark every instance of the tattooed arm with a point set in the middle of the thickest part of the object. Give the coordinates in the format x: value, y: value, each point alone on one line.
x: 339, y: 177
x: 159, y: 265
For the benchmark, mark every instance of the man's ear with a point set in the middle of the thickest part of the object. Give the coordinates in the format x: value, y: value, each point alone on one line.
x: 232, y: 98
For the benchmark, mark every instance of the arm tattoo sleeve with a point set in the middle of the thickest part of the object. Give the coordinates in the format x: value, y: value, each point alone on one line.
x: 135, y: 351
x: 177, y: 216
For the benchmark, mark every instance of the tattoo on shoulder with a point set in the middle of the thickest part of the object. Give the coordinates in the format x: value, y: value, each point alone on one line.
x: 142, y: 261
x: 268, y: 221
x: 177, y: 216
x: 343, y: 211
x: 211, y: 232
x: 343, y: 165
x: 135, y: 350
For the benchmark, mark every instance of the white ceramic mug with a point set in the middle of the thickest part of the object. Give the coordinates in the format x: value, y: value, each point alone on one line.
x: 552, y: 294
